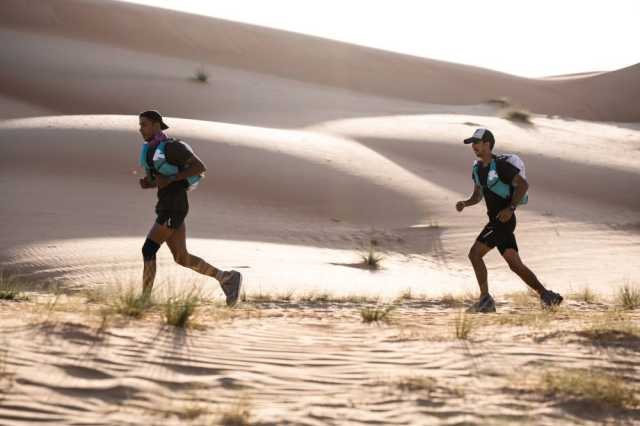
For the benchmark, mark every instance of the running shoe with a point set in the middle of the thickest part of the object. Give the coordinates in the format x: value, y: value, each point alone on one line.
x: 484, y: 305
x: 550, y: 299
x: 231, y: 285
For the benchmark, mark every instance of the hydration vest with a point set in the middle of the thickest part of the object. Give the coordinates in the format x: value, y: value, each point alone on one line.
x: 494, y: 184
x: 162, y: 166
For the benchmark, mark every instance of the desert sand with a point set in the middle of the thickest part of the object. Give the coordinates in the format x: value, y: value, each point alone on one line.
x: 314, y: 149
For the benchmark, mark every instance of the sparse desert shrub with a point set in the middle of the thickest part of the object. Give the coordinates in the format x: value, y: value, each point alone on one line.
x: 629, y: 297
x: 376, y: 314
x: 131, y: 304
x: 463, y: 325
x: 201, y: 75
x: 518, y: 115
x: 178, y: 310
x: 588, y: 385
x: 372, y: 259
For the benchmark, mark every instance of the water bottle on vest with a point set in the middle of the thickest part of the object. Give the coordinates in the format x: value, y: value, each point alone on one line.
x: 494, y: 184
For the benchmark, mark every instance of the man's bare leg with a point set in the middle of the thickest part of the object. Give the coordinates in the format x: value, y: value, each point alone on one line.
x: 158, y: 234
x: 477, y: 252
x: 177, y: 243
x: 515, y: 263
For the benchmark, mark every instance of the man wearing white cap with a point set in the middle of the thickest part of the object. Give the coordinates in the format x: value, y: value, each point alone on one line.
x: 501, y: 181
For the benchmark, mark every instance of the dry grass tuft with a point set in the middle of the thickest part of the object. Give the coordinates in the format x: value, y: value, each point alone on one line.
x: 10, y: 288
x: 612, y: 329
x: 201, y: 75
x: 518, y: 115
x: 131, y: 304
x: 315, y: 297
x: 238, y: 414
x: 178, y: 310
x: 527, y: 298
x: 588, y: 385
x: 407, y: 294
x: 456, y: 300
x: 193, y: 411
x: 372, y: 259
x: 628, y: 297
x: 376, y: 314
x: 585, y: 295
x: 463, y: 325
x: 416, y: 384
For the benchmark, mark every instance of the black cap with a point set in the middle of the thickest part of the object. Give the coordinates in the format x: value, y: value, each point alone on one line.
x: 155, y: 117
x: 483, y: 135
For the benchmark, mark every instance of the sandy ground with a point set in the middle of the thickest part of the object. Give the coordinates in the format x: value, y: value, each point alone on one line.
x: 309, y: 363
x: 314, y: 149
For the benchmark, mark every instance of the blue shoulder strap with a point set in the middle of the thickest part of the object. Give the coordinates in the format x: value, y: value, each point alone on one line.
x: 476, y: 177
x: 143, y: 155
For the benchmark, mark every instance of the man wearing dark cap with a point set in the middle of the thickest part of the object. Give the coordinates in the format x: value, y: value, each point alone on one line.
x: 173, y: 168
x: 501, y: 181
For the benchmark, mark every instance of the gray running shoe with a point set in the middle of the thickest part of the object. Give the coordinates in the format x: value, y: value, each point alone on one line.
x: 550, y: 299
x: 231, y: 285
x: 484, y: 305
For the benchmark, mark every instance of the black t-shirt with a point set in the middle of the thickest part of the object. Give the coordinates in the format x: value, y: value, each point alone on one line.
x: 506, y: 173
x: 173, y: 196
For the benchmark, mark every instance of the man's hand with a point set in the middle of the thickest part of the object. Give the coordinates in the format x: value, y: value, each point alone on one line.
x: 145, y: 183
x: 505, y: 215
x: 460, y: 205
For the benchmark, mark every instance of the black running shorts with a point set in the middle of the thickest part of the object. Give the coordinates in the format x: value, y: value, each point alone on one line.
x: 170, y: 218
x: 498, y: 234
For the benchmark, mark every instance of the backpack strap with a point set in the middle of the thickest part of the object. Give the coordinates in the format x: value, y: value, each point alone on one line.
x: 474, y: 170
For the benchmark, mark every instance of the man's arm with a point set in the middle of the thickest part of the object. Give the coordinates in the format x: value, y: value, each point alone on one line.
x: 522, y: 186
x: 195, y: 167
x: 180, y: 155
x: 475, y: 198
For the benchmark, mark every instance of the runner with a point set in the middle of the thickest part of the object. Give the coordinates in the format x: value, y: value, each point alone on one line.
x: 173, y: 168
x: 504, y: 187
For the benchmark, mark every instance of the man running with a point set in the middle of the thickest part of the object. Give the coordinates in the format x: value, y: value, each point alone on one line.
x: 173, y: 168
x: 503, y: 187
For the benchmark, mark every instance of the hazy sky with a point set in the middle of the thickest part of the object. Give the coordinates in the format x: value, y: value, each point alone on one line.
x: 532, y: 39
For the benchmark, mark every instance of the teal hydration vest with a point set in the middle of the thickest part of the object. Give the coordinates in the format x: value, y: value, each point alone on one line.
x: 162, y: 166
x: 494, y: 184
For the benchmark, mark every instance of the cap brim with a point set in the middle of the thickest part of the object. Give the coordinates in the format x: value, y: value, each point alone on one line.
x: 163, y: 126
x: 471, y: 140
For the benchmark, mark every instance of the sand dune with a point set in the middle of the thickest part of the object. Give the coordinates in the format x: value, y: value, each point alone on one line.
x: 207, y: 41
x: 333, y: 186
